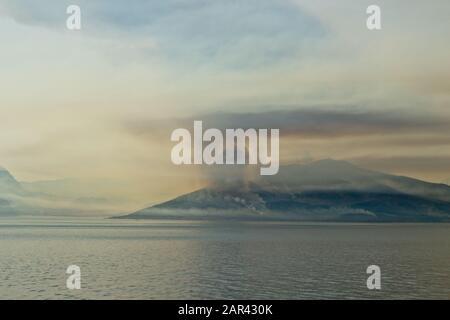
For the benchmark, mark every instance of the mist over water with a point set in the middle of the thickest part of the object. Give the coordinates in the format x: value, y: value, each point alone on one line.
x: 204, y: 260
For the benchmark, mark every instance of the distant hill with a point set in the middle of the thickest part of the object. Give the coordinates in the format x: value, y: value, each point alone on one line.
x: 8, y: 184
x: 58, y: 197
x: 10, y: 188
x: 326, y: 190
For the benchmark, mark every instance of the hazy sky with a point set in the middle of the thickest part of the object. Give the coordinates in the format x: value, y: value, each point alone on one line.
x: 100, y: 103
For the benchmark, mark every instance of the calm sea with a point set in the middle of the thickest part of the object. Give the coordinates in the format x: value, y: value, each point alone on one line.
x: 210, y: 260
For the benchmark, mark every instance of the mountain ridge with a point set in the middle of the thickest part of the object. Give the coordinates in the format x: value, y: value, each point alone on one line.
x: 47, y: 198
x: 9, y: 184
x: 325, y: 190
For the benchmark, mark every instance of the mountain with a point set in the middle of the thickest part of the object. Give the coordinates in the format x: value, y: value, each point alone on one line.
x: 326, y: 190
x: 57, y: 197
x: 9, y: 188
x: 8, y: 184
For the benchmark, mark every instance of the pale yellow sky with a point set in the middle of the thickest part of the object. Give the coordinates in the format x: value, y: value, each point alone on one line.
x: 86, y: 104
